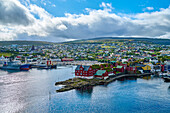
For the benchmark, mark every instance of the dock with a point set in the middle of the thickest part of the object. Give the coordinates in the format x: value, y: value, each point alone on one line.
x: 111, y: 79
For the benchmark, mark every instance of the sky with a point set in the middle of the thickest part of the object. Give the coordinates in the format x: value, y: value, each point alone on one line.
x: 67, y: 20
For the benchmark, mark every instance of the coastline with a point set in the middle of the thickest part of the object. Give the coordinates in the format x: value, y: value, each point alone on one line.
x: 76, y: 83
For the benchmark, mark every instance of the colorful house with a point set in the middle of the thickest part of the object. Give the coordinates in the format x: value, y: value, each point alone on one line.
x: 114, y: 63
x: 84, y: 71
x: 95, y: 68
x: 132, y: 69
x: 101, y: 74
x: 120, y: 68
x: 146, y: 68
x: 124, y: 65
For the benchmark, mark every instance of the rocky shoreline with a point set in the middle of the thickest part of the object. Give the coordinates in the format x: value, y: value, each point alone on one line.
x: 76, y: 83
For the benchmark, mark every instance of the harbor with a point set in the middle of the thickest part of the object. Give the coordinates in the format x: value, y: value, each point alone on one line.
x: 35, y: 91
x: 84, y: 56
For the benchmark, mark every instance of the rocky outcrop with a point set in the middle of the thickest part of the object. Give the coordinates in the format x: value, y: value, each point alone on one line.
x: 76, y: 83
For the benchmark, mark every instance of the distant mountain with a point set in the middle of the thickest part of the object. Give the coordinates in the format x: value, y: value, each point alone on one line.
x: 149, y: 40
x: 91, y: 40
x: 2, y: 43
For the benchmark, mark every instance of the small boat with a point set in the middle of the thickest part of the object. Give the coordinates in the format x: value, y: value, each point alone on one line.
x: 166, y: 79
x: 44, y: 66
x: 163, y: 74
x: 48, y: 67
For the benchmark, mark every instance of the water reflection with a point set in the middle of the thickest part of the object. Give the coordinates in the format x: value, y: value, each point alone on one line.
x: 126, y: 79
x: 13, y: 71
x: 28, y: 92
x: 85, y: 91
x: 146, y: 77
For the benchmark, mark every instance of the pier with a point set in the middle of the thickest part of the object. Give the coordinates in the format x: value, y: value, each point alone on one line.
x: 113, y: 78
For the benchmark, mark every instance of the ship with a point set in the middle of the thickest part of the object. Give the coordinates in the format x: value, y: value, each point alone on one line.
x: 44, y: 65
x: 15, y: 65
x: 166, y: 79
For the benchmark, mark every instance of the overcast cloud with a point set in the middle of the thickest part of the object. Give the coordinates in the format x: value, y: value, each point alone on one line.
x: 18, y: 22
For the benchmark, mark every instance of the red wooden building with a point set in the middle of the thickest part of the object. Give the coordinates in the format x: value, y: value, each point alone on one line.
x: 124, y: 65
x: 120, y: 68
x: 101, y: 74
x: 84, y: 71
x: 131, y: 69
x: 95, y: 70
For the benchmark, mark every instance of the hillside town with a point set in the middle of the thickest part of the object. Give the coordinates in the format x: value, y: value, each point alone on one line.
x: 104, y: 57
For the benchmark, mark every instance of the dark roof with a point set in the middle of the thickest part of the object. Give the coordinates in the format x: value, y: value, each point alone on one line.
x: 113, y: 61
x: 78, y: 67
x: 86, y: 68
x: 100, y: 72
x: 139, y: 68
x: 119, y: 67
x: 140, y: 65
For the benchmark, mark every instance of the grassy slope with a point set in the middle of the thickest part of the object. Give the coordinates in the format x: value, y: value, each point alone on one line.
x: 5, y: 54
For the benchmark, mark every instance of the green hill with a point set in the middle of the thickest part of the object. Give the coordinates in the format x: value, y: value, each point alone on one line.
x: 2, y: 43
x: 133, y: 39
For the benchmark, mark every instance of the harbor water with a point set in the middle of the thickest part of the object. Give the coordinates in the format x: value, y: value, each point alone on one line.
x: 34, y: 91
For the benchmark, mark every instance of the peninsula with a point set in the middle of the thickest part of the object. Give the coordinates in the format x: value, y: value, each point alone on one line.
x: 76, y: 83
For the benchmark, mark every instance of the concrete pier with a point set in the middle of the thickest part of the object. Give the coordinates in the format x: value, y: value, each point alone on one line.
x: 126, y: 75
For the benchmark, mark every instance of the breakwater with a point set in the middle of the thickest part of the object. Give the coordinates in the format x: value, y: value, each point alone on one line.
x: 76, y: 83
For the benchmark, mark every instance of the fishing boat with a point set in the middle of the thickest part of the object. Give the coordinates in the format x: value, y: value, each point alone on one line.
x: 15, y: 65
x: 166, y: 79
x: 43, y: 65
x: 47, y: 66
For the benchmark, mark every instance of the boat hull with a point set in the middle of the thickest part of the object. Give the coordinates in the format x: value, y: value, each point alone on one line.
x: 25, y: 67
x: 166, y: 79
x: 43, y: 66
x: 16, y: 67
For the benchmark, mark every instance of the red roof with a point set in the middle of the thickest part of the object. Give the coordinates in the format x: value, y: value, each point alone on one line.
x: 18, y: 56
x: 67, y: 59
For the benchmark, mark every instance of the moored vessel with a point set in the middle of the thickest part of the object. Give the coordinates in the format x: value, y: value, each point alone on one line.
x: 15, y: 65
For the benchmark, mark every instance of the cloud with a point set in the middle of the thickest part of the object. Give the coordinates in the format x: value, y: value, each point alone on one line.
x: 96, y: 23
x: 106, y: 6
x: 12, y: 12
x: 148, y: 8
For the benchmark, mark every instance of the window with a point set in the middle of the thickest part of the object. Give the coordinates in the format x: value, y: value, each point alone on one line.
x: 77, y: 73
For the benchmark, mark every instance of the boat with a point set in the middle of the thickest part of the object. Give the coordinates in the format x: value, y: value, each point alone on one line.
x: 15, y: 65
x: 163, y: 74
x: 3, y: 59
x: 166, y: 79
x: 47, y: 66
x: 42, y: 65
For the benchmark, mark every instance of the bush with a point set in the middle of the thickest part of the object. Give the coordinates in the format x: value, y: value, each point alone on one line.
x: 138, y: 72
x: 95, y: 66
x: 108, y: 69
